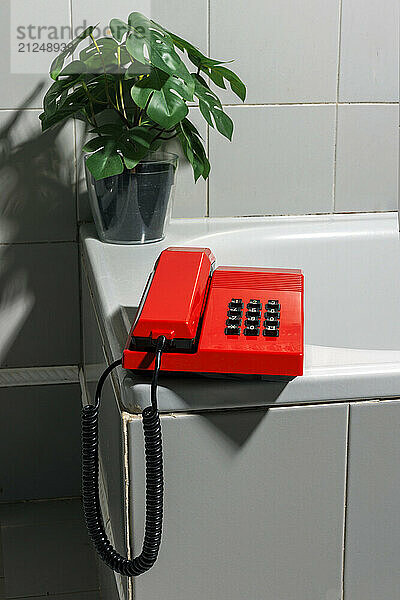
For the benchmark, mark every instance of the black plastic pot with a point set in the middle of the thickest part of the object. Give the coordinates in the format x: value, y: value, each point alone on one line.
x: 135, y: 206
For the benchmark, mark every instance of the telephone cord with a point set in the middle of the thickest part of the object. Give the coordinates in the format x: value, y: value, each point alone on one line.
x: 154, y: 479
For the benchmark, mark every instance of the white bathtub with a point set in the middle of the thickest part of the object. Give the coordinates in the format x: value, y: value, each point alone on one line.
x: 352, y: 322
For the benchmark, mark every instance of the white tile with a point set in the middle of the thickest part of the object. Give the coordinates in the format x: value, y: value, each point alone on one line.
x: 190, y: 197
x: 279, y: 162
x: 283, y: 51
x: 367, y: 158
x: 188, y: 20
x: 39, y: 304
x: 369, y: 63
x: 37, y: 180
x: 86, y: 12
x: 21, y: 71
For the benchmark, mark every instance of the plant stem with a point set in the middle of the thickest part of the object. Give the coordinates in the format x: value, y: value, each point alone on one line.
x: 120, y: 85
x: 106, y: 83
x: 90, y: 103
x: 143, y: 111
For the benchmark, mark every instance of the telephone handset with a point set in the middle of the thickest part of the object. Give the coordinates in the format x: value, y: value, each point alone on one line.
x: 229, y: 320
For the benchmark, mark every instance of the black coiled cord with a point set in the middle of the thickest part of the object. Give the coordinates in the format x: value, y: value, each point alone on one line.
x: 154, y: 479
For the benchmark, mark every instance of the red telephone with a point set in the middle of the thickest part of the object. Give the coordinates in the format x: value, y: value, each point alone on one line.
x: 232, y: 320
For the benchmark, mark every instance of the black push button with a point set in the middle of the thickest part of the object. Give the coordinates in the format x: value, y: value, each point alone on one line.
x: 252, y: 321
x: 271, y: 331
x: 273, y: 304
x: 256, y: 312
x: 236, y: 303
x: 251, y: 330
x: 235, y: 320
x: 272, y: 312
x: 271, y: 321
x: 232, y: 330
x: 232, y: 312
x: 254, y: 303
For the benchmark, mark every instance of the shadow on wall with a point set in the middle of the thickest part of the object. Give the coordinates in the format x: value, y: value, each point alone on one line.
x: 37, y: 204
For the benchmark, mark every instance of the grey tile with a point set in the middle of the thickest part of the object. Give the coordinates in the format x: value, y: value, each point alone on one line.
x: 369, y: 62
x: 373, y: 525
x: 40, y: 450
x: 253, y: 505
x: 367, y: 158
x: 284, y: 52
x: 40, y: 512
x: 78, y: 596
x: 110, y: 437
x: 37, y: 179
x: 279, y: 162
x: 108, y: 586
x: 56, y: 557
x: 39, y: 304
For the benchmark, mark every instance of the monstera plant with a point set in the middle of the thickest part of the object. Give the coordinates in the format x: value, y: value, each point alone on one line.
x: 133, y: 90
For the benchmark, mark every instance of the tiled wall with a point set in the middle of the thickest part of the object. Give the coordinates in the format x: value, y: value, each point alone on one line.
x: 317, y: 134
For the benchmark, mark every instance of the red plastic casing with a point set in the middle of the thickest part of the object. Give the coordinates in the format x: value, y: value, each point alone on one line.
x: 217, y: 352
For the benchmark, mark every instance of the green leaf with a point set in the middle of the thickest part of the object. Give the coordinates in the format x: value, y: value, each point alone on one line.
x: 136, y: 69
x: 76, y: 67
x: 141, y: 136
x: 118, y: 29
x: 112, y: 129
x: 95, y: 144
x: 103, y: 55
x: 58, y: 62
x: 194, y: 54
x: 193, y: 149
x: 211, y: 109
x: 237, y: 85
x: 50, y: 119
x: 164, y: 97
x: 56, y: 90
x: 105, y: 162
x: 131, y: 154
x: 150, y: 44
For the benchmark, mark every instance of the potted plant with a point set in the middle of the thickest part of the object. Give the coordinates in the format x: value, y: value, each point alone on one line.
x: 132, y: 90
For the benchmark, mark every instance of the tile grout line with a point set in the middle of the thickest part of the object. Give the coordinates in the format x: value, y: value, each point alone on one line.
x: 255, y: 104
x: 208, y: 127
x: 337, y: 107
x: 345, y: 499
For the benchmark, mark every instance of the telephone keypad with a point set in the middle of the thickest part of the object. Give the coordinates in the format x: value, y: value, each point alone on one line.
x: 254, y: 304
x: 251, y: 330
x: 272, y: 320
x: 252, y: 321
x: 235, y: 319
x: 236, y: 303
x: 232, y: 330
x: 273, y: 304
x: 253, y: 312
x: 232, y: 312
x: 271, y: 331
x: 272, y: 312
